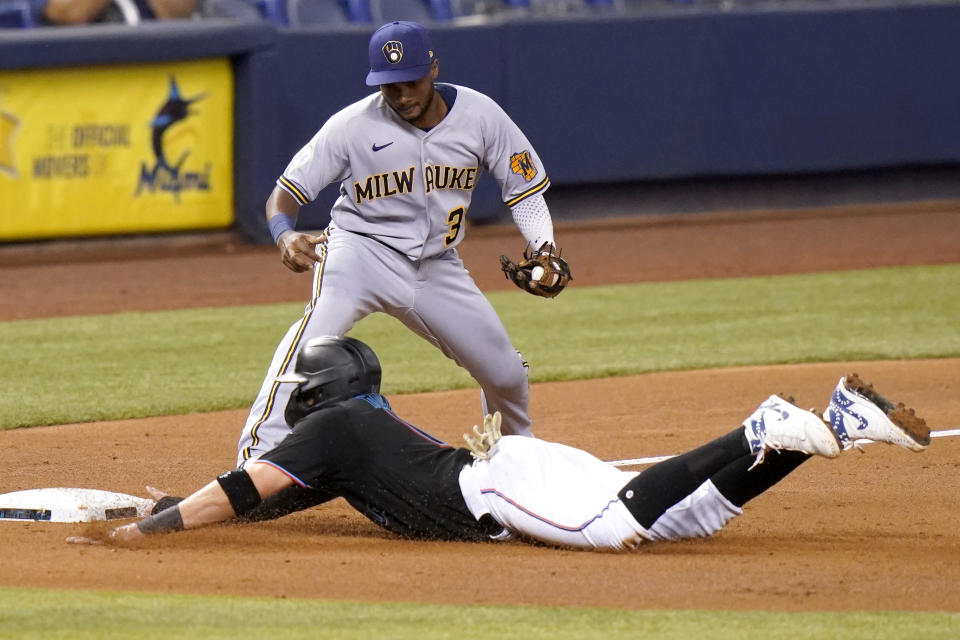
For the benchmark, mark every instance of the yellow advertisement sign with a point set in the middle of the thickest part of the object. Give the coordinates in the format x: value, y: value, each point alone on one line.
x: 117, y: 149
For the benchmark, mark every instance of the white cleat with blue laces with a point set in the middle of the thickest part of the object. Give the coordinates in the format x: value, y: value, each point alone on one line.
x: 779, y: 424
x: 856, y: 411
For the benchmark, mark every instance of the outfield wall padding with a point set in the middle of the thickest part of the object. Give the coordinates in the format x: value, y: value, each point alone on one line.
x: 687, y: 93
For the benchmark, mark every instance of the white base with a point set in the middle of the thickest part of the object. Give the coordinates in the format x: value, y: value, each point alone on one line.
x: 71, y: 505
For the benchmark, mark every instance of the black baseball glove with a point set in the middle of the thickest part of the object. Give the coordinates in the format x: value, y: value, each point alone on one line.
x: 542, y: 272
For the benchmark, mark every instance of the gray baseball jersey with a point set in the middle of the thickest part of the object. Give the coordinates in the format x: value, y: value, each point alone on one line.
x: 410, y: 188
x: 404, y: 196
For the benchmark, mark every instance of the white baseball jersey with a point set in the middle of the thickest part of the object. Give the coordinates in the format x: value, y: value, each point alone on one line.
x: 408, y: 188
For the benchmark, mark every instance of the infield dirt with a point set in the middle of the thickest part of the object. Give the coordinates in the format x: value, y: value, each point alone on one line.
x: 875, y: 530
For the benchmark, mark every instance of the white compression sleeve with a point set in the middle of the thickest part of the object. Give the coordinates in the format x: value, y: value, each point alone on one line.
x: 533, y: 219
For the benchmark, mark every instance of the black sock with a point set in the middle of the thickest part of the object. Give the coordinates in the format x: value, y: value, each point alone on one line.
x: 665, y: 484
x: 739, y: 486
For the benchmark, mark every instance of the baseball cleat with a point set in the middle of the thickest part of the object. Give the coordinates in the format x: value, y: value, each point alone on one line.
x: 857, y: 411
x: 778, y: 424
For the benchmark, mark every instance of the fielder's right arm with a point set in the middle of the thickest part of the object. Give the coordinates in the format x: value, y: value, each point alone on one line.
x: 297, y: 250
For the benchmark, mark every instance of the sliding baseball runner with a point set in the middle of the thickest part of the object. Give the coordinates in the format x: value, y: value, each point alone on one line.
x: 347, y: 442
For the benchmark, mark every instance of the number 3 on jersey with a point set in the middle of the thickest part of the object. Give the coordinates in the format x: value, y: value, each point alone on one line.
x: 454, y: 222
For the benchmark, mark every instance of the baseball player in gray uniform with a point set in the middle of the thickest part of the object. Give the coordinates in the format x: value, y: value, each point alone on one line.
x: 407, y: 160
x: 347, y: 442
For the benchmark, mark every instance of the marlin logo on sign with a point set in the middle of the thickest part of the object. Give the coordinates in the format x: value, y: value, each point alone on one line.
x: 166, y: 175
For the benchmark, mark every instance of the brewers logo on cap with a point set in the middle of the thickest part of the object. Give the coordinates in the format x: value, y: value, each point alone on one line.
x: 393, y: 51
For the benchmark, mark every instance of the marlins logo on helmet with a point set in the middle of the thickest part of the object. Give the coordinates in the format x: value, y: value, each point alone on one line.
x: 393, y: 51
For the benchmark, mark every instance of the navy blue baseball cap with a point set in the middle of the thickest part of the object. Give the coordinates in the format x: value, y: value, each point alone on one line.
x: 399, y: 52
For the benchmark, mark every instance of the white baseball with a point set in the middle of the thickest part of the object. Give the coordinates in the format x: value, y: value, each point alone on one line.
x: 536, y: 273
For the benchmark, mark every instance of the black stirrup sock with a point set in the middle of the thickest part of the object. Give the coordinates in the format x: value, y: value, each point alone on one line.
x: 665, y: 484
x: 740, y: 485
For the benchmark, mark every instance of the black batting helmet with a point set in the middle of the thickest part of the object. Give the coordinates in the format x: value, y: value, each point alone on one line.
x: 330, y: 369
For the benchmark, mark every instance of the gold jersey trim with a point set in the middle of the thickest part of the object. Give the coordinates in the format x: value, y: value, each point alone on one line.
x: 293, y: 190
x: 291, y: 351
x: 529, y: 192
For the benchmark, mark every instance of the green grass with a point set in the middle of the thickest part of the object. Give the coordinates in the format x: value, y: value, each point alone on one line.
x: 88, y: 368
x: 27, y: 614
x: 139, y: 364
